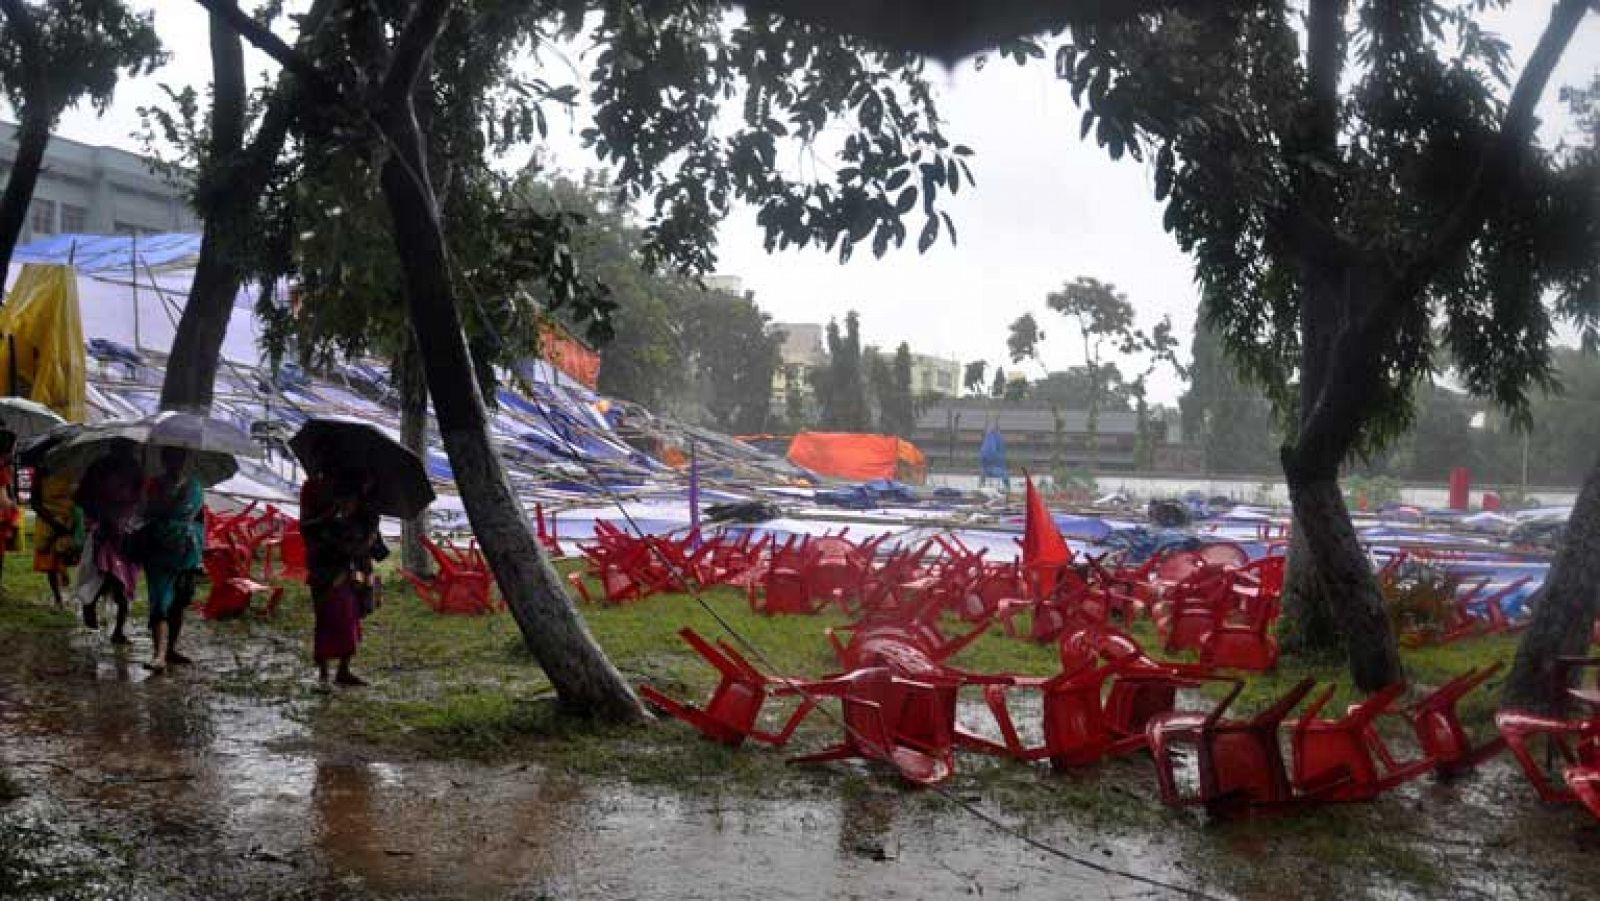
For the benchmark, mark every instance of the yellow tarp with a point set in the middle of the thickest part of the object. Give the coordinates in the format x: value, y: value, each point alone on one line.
x: 40, y: 323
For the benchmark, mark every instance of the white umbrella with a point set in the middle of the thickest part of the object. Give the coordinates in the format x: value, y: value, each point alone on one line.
x: 212, y: 444
x: 27, y: 418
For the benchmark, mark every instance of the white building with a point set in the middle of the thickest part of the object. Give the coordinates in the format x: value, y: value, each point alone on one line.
x: 935, y: 375
x: 89, y: 190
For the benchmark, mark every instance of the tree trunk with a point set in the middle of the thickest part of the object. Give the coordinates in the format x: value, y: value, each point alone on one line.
x: 33, y: 135
x: 413, y: 391
x: 1345, y: 573
x: 197, y: 345
x: 1564, y: 615
x: 1309, y: 627
x: 584, y: 680
x: 233, y: 177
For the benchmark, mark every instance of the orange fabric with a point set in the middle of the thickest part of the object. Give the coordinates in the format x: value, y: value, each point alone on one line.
x: 674, y: 457
x: 860, y: 458
x: 568, y: 354
x: 1044, y: 551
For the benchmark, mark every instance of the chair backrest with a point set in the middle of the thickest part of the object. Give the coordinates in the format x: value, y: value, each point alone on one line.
x: 1224, y: 553
x: 1178, y: 566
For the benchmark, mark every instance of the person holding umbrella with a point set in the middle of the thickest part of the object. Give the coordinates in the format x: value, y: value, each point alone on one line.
x: 341, y: 533
x: 340, y: 504
x: 10, y: 513
x: 174, y: 539
x: 108, y: 494
x: 57, y: 527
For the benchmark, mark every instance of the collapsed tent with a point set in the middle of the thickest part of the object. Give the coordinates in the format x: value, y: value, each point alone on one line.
x: 858, y: 457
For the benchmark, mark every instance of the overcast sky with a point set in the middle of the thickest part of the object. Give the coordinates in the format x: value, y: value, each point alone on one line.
x: 1047, y: 207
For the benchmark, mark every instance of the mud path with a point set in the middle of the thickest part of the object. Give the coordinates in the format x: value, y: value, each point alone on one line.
x: 194, y: 786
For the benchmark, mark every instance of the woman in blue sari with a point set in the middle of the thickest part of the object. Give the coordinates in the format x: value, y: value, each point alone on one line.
x: 176, y: 537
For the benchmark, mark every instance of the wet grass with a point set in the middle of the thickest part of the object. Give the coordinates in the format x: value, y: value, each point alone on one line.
x: 465, y: 687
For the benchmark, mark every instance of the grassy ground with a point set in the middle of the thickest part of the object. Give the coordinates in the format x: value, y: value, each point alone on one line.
x: 464, y: 687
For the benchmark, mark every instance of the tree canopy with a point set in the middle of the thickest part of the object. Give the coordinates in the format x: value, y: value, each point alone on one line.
x: 841, y: 386
x: 1340, y: 195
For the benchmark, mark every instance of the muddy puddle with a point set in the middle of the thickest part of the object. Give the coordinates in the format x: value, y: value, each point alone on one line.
x: 203, y: 792
x: 220, y: 795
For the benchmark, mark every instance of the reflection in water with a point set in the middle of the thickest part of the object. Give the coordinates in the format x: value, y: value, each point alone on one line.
x: 866, y: 821
x: 425, y: 828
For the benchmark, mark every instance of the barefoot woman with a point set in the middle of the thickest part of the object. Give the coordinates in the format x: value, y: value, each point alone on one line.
x: 340, y: 532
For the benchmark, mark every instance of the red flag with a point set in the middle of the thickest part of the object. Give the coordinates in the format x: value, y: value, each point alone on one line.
x: 1044, y: 551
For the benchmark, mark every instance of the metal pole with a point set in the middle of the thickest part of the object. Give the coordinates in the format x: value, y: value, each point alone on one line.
x: 1525, y: 436
x: 133, y: 267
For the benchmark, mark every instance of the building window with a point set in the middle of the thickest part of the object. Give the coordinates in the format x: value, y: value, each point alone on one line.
x: 74, y: 219
x: 43, y: 214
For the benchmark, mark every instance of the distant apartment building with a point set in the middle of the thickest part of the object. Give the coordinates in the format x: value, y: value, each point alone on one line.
x: 802, y: 343
x: 802, y: 350
x: 90, y: 190
x: 935, y: 375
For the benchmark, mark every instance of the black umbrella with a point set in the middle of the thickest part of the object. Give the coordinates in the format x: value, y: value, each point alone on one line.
x: 401, y: 485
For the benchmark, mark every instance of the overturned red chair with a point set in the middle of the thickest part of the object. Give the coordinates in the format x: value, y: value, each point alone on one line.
x: 1241, y: 762
x: 1077, y: 730
x: 457, y: 587
x: 905, y: 721
x: 1575, y: 740
x: 1440, y: 733
x: 1349, y: 750
x: 227, y: 568
x: 1144, y: 687
x: 732, y: 712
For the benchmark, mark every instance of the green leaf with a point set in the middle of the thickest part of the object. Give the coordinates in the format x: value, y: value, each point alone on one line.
x: 907, y: 200
x: 930, y: 234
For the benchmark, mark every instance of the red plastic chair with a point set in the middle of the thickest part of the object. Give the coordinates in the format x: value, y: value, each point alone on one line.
x: 1143, y: 687
x: 1349, y: 751
x: 1223, y: 555
x: 782, y: 592
x: 232, y: 590
x: 1241, y: 762
x: 285, y: 559
x: 907, y: 723
x: 1247, y: 645
x: 1076, y: 729
x: 1438, y: 727
x: 456, y: 587
x: 731, y: 713
x: 1575, y: 740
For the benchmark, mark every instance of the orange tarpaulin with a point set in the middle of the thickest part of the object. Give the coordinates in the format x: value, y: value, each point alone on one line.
x: 568, y: 354
x: 860, y: 458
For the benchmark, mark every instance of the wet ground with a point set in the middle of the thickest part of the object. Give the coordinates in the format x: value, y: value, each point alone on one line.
x: 191, y: 786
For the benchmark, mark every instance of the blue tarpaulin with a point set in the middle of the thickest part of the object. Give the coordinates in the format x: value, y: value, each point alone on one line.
x: 992, y: 455
x: 108, y: 253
